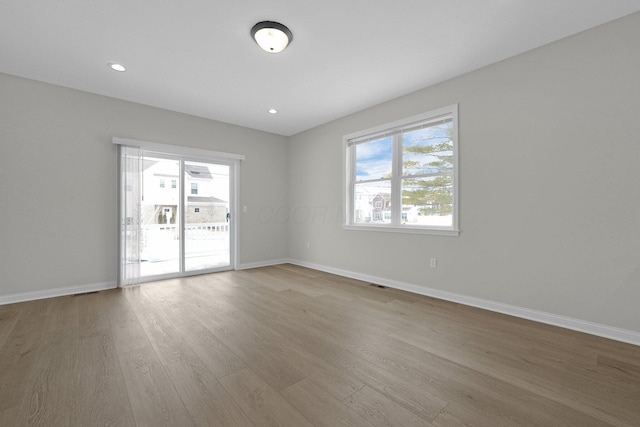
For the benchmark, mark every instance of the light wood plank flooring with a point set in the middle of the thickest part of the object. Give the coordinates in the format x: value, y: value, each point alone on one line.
x: 289, y: 346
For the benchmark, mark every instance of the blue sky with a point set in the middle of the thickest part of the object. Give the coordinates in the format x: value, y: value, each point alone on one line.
x: 374, y: 158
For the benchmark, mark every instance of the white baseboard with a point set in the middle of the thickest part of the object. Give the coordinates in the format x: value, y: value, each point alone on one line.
x: 618, y: 334
x: 249, y: 265
x: 57, y: 292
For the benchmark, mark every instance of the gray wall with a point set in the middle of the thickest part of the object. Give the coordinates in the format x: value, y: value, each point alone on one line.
x: 549, y: 184
x: 58, y: 220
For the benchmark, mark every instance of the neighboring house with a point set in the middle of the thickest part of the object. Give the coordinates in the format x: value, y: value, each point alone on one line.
x: 380, y: 206
x: 410, y: 214
x: 161, y: 193
x: 200, y: 207
x: 376, y: 207
x: 362, y: 206
x: 205, y: 210
x: 371, y: 207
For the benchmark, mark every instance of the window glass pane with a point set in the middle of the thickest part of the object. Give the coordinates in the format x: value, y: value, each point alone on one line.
x: 160, y: 240
x: 373, y: 159
x: 372, y: 203
x: 428, y: 150
x: 428, y: 201
x: 411, y: 162
x: 206, y: 228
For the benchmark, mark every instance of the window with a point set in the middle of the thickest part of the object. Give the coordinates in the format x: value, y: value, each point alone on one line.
x: 403, y: 176
x: 194, y: 188
x: 174, y: 183
x: 161, y: 182
x: 196, y: 210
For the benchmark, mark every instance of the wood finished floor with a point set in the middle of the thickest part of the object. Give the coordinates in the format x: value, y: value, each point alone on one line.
x: 289, y: 346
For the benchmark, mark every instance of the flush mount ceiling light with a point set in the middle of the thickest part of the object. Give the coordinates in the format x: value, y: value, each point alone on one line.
x: 272, y: 111
x: 117, y: 67
x: 271, y: 36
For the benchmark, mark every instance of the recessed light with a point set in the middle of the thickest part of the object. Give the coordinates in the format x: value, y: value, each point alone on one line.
x: 117, y: 67
x: 273, y: 111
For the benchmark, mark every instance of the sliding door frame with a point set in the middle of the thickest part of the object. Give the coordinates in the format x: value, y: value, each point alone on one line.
x: 233, y: 209
x: 182, y: 155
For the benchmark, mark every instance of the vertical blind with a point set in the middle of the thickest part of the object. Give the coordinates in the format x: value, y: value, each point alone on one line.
x: 130, y: 214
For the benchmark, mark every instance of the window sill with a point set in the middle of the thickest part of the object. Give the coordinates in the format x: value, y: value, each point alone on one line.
x: 404, y: 229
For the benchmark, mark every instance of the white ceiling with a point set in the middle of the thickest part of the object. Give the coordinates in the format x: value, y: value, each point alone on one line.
x: 197, y: 57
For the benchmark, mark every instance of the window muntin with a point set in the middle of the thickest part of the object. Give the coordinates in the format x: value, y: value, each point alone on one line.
x: 403, y: 176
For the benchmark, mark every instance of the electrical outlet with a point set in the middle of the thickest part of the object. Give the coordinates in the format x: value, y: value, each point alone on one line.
x: 433, y: 262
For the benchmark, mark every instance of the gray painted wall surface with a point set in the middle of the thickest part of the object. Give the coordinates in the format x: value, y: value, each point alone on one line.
x: 549, y: 184
x: 58, y: 221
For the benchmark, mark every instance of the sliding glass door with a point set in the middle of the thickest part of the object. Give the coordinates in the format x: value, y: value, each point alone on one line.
x: 160, y: 222
x: 206, y: 216
x: 175, y: 215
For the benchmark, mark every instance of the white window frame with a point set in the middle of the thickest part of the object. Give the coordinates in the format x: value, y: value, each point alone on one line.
x: 396, y: 128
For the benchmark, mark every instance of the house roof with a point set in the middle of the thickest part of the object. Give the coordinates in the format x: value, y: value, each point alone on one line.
x: 147, y: 164
x: 197, y: 171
